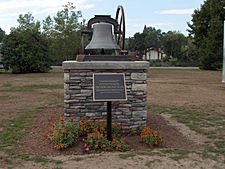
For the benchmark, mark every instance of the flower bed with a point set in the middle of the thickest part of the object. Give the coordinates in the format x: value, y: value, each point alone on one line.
x: 65, y: 132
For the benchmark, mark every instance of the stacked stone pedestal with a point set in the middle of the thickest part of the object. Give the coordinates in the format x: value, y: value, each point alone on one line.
x: 78, y: 92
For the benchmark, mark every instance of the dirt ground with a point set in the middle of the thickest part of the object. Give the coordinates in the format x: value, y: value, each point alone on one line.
x: 195, y: 89
x: 189, y: 88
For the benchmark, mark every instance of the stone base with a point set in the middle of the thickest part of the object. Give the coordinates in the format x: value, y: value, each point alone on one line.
x: 78, y: 92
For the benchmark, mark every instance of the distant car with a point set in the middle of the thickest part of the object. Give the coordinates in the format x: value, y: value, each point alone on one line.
x: 1, y: 65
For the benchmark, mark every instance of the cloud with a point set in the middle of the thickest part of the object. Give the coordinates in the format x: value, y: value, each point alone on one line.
x: 142, y: 24
x: 177, y: 11
x: 10, y: 9
x: 22, y: 4
x: 161, y: 24
x: 13, y: 8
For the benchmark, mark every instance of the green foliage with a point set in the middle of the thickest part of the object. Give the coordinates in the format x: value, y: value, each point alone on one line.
x: 98, y: 141
x: 27, y: 21
x: 136, y: 43
x: 150, y: 136
x: 25, y: 49
x: 207, y: 31
x: 97, y: 136
x: 63, y: 33
x: 174, y: 44
x: 88, y: 126
x: 149, y: 38
x: 64, y: 133
x: 152, y: 37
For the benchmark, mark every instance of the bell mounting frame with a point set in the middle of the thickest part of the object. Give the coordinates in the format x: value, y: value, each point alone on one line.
x: 120, y: 18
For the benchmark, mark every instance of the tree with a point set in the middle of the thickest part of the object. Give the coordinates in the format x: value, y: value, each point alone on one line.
x: 63, y: 32
x: 136, y: 43
x: 149, y: 38
x: 152, y: 37
x: 207, y: 31
x: 25, y: 49
x: 174, y: 44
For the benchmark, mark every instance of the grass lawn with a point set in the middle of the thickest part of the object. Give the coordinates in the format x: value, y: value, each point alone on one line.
x: 194, y: 98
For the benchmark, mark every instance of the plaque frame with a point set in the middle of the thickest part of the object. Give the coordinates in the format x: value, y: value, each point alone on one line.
x: 110, y: 99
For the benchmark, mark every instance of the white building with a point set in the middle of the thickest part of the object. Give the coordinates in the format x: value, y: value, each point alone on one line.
x: 154, y: 54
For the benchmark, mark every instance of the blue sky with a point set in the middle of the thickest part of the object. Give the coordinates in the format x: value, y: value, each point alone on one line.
x: 161, y: 14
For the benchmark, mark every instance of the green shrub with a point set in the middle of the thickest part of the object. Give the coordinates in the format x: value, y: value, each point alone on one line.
x: 98, y: 141
x: 151, y: 136
x: 25, y: 50
x: 64, y: 133
x: 88, y: 126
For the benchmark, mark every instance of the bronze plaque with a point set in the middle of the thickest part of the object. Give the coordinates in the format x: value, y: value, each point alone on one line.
x: 109, y: 87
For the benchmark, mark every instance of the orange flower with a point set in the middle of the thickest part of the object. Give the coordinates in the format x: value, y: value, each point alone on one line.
x: 62, y: 128
x: 156, y: 143
x: 49, y: 135
x: 62, y: 145
x: 99, y: 136
x: 57, y: 138
x: 151, y: 135
x: 54, y: 131
x: 155, y: 135
x: 143, y: 137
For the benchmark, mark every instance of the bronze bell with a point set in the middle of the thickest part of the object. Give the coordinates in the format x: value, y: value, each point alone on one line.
x: 102, y: 37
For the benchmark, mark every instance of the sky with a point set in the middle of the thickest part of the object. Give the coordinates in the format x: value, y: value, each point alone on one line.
x: 167, y: 15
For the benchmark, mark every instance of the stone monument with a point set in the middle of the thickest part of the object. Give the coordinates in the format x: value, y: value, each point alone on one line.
x: 110, y: 57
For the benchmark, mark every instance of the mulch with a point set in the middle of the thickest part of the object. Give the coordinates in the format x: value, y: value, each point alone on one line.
x: 35, y: 141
